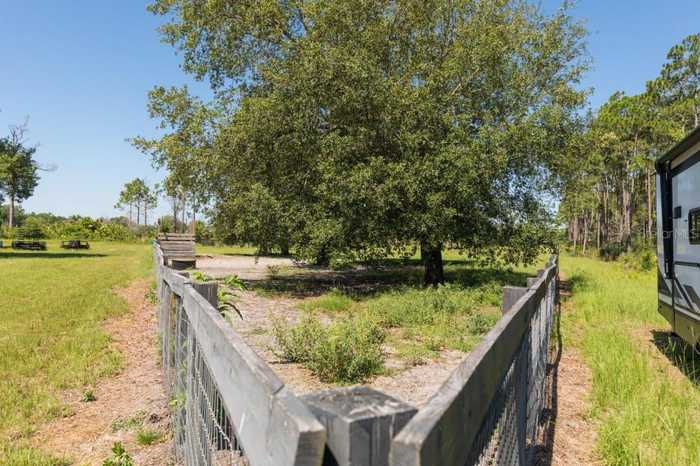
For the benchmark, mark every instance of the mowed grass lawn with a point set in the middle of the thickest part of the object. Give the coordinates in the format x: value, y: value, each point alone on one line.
x: 52, y: 305
x: 645, y: 397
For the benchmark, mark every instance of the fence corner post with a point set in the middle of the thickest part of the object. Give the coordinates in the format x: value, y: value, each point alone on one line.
x: 360, y: 423
x: 511, y: 294
x: 209, y: 290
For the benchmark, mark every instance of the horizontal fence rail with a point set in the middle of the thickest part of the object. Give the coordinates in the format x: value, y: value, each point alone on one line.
x: 229, y: 407
x: 490, y: 409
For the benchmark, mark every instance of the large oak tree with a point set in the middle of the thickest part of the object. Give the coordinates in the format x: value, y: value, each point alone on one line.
x: 361, y: 127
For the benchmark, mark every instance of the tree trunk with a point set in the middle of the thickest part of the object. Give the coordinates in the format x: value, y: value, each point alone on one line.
x: 11, y: 213
x: 145, y: 214
x: 650, y: 207
x: 585, y: 232
x: 432, y: 263
x: 174, y: 214
x: 322, y: 258
x: 575, y: 233
x: 597, y: 235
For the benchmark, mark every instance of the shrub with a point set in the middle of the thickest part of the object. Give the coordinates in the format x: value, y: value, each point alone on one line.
x: 297, y: 342
x: 346, y: 351
x: 611, y: 251
x: 643, y: 260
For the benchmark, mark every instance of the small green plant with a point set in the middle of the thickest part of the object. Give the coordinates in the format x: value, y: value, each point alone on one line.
x: 200, y: 276
x: 88, y: 395
x: 130, y: 422
x: 346, y: 351
x: 151, y: 295
x: 235, y: 282
x: 149, y: 436
x: 119, y: 457
x: 227, y: 304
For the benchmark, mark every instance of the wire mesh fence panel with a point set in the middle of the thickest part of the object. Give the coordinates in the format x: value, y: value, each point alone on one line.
x: 493, y: 408
x: 203, y: 434
x: 511, y: 429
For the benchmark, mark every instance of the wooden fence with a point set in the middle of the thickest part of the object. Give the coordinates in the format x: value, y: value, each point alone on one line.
x: 230, y: 408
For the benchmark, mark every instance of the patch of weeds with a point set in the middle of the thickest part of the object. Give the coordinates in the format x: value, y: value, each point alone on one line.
x: 129, y: 423
x: 297, y: 341
x: 235, y: 282
x: 413, y: 354
x: 200, y: 276
x: 346, y: 351
x: 333, y: 301
x: 227, y: 306
x: 88, y: 395
x: 119, y: 457
x: 151, y: 295
x: 149, y: 436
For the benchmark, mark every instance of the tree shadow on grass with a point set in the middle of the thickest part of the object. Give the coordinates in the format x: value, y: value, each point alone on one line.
x: 367, y: 281
x: 679, y: 353
x: 47, y: 255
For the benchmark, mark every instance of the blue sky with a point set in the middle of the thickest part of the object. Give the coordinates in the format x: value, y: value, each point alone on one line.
x: 81, y: 70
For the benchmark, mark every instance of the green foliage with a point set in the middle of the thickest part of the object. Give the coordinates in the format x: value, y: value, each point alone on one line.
x: 235, y: 282
x: 88, y: 395
x: 149, y: 436
x: 200, y: 276
x: 119, y: 456
x: 645, y: 412
x: 612, y: 251
x: 644, y: 260
x: 348, y: 350
x: 137, y: 197
x: 337, y: 134
x: 18, y: 169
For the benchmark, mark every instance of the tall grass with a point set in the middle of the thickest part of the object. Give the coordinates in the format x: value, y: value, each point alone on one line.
x: 51, y: 309
x: 646, y: 413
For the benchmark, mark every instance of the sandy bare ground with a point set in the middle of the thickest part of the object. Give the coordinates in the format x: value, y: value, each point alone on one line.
x: 88, y: 435
x: 246, y: 267
x: 569, y: 438
x: 414, y: 384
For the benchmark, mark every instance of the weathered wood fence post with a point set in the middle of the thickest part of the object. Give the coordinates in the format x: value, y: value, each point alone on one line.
x: 360, y: 424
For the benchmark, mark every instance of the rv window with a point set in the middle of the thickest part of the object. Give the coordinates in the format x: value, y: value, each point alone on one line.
x: 694, y: 226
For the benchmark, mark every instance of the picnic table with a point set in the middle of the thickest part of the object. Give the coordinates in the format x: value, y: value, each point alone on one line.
x: 30, y: 245
x: 75, y: 244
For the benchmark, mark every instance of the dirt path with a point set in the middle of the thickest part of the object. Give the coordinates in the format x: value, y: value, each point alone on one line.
x: 574, y: 433
x: 134, y: 397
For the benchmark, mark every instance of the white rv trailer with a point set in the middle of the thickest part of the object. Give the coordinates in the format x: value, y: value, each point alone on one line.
x: 678, y: 237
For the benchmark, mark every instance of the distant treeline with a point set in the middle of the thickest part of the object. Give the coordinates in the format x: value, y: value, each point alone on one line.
x: 50, y: 226
x: 608, y: 189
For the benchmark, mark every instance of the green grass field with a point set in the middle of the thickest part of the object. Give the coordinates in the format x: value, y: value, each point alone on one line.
x: 647, y: 412
x: 51, y: 310
x: 645, y: 398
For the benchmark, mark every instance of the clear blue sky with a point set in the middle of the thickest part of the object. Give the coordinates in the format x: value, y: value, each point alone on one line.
x: 81, y: 70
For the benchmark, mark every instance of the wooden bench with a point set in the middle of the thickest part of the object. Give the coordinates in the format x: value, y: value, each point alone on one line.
x: 30, y: 245
x: 178, y: 250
